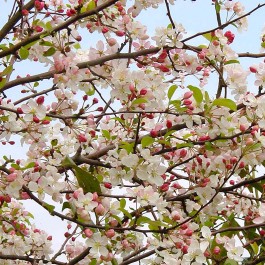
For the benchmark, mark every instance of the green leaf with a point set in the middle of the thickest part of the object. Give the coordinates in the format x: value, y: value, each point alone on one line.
x: 106, y: 134
x: 225, y: 102
x: 54, y: 142
x: 77, y: 46
x: 90, y: 92
x: 209, y: 146
x: 45, y: 43
x: 23, y: 53
x: 231, y: 62
x: 91, y: 5
x: 176, y: 103
x: 255, y: 247
x: 197, y: 94
x: 147, y: 140
x: 27, y: 46
x: 230, y: 262
x: 48, y: 26
x: 114, y: 262
x: 208, y: 36
x: 29, y: 165
x: 126, y: 213
x: 86, y: 180
x: 139, y: 101
x: 146, y: 220
x: 184, y: 145
x: 15, y: 166
x: 93, y: 262
x: 68, y: 162
x: 66, y: 205
x: 122, y: 203
x: 169, y: 133
x: 48, y: 207
x: 2, y: 82
x: 117, y: 218
x: 207, y: 98
x: 7, y: 70
x: 171, y: 91
x: 262, y: 44
x: 217, y: 7
x: 51, y: 51
x: 127, y: 146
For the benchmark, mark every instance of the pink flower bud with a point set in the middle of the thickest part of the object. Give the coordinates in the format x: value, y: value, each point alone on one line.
x: 216, y: 250
x: 143, y: 91
x: 183, y: 153
x: 187, y: 95
x: 88, y: 232
x: 100, y: 210
x: 169, y: 124
x: 11, y: 177
x: 111, y: 42
x: 107, y: 185
x: 95, y: 100
x: 120, y: 33
x: 40, y: 100
x: 188, y: 232
x: 187, y: 102
x: 39, y: 5
x: 104, y: 30
x: 253, y: 69
x: 24, y: 195
x: 153, y: 133
x: 175, y: 216
x: 25, y: 12
x: 82, y: 138
x: 164, y: 187
x: 110, y: 233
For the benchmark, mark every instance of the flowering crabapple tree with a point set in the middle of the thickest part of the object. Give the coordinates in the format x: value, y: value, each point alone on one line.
x: 149, y: 147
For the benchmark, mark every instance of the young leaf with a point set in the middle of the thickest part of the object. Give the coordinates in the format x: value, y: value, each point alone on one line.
x: 122, y: 203
x: 208, y: 36
x: 49, y: 207
x: 139, y: 101
x: 197, y: 94
x: 171, y: 91
x: 231, y: 62
x: 7, y: 70
x: 2, y: 82
x: 106, y: 134
x: 23, y: 53
x: 91, y: 5
x: 86, y: 180
x: 225, y: 102
x: 147, y: 140
x: 49, y: 52
x: 230, y: 262
x: 66, y: 205
x: 217, y: 7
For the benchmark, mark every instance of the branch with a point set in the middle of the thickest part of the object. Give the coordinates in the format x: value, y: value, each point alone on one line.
x: 239, y: 228
x: 31, y: 260
x: 99, y: 61
x: 64, y: 25
x: 13, y: 20
x: 225, y: 24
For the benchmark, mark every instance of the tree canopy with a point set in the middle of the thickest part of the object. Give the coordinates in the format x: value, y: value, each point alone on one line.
x: 150, y: 147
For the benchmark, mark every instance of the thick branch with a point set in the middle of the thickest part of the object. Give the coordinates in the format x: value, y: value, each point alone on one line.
x: 13, y: 20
